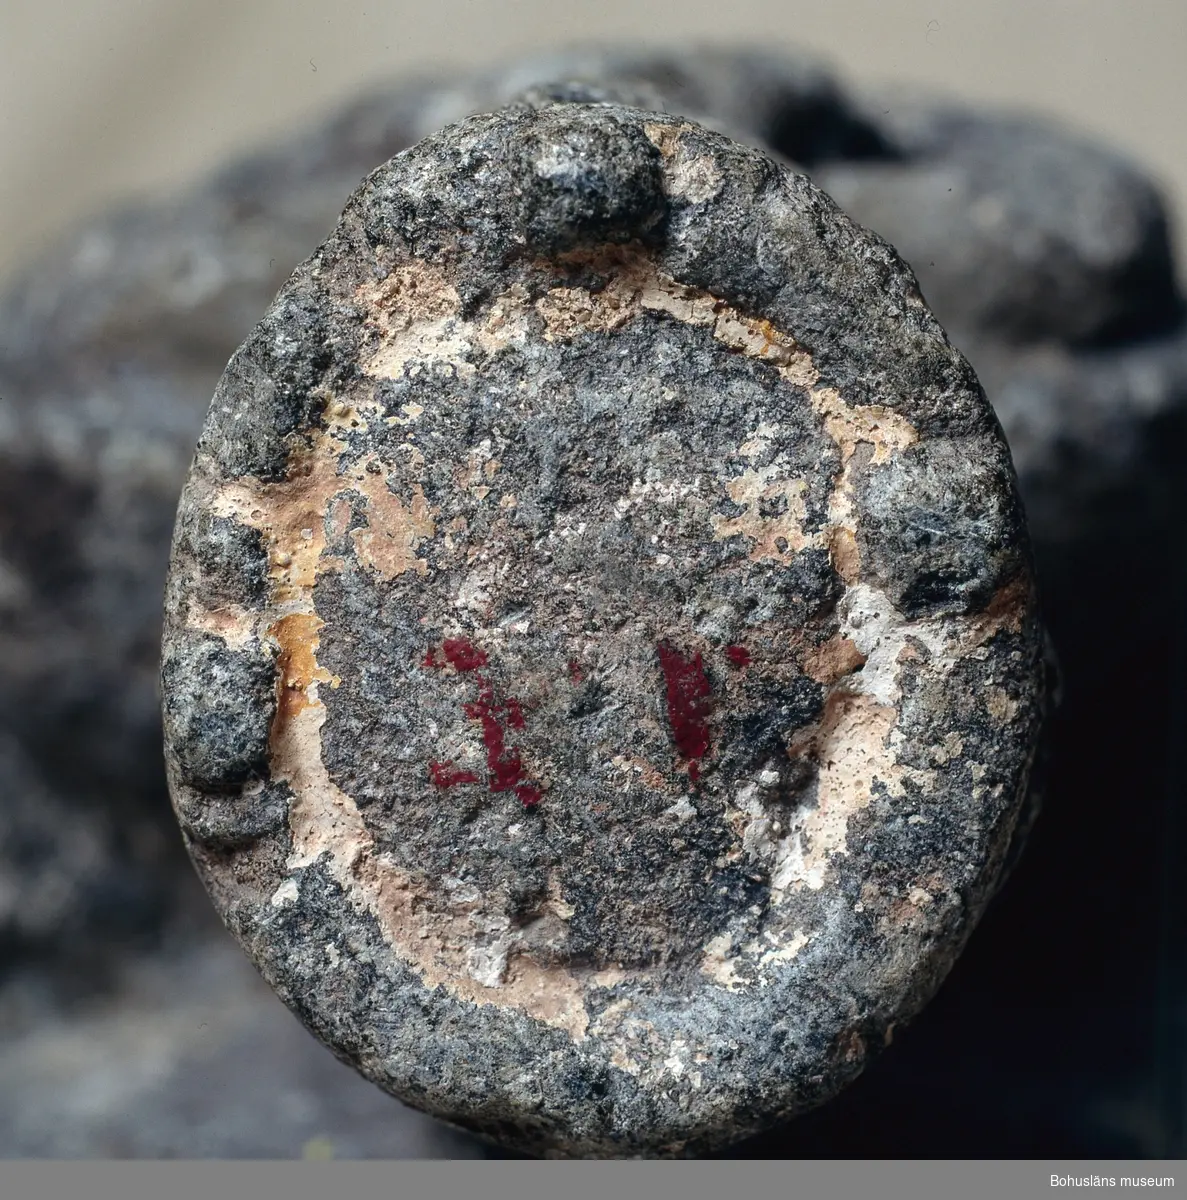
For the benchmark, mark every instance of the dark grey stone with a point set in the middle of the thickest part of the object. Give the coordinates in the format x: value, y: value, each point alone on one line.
x: 111, y: 344
x: 658, y: 672
x: 1048, y: 259
x: 1044, y: 253
x: 1018, y: 229
x: 219, y: 705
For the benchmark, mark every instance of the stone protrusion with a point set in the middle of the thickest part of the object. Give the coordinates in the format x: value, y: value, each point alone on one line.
x: 654, y: 670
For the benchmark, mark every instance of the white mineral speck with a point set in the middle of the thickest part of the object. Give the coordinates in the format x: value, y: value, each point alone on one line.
x: 286, y: 894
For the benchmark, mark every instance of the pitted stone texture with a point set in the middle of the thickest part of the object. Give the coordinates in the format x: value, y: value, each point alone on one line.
x: 1047, y: 258
x: 111, y: 344
x: 657, y: 674
x: 1044, y: 254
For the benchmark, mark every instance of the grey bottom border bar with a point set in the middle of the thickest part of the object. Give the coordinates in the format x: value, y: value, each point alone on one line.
x: 518, y: 1180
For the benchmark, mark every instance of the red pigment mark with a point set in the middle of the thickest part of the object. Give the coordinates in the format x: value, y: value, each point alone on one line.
x: 689, y: 697
x: 446, y: 775
x: 529, y: 795
x: 575, y: 673
x: 738, y: 655
x: 502, y: 761
x: 460, y: 653
x: 463, y: 655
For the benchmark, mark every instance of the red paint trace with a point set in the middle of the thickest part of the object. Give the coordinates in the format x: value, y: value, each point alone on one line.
x: 738, y: 655
x: 492, y: 712
x: 502, y: 761
x: 689, y: 704
x: 575, y: 673
x: 459, y: 653
x: 446, y: 775
x: 529, y: 795
x: 462, y: 654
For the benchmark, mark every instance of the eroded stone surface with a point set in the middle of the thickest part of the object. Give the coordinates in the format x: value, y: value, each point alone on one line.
x: 109, y: 350
x: 1046, y: 255
x: 656, y: 665
x: 111, y: 344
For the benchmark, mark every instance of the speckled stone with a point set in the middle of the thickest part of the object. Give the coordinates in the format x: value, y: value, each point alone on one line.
x: 601, y: 662
x: 1044, y: 253
x: 111, y: 344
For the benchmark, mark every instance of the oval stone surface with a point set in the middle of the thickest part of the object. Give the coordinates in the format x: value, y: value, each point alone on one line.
x: 601, y: 670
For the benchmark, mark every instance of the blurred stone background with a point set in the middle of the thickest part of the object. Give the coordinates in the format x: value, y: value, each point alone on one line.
x: 129, y: 1024
x: 102, y: 97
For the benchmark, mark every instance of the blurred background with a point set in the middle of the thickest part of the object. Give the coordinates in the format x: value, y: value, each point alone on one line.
x: 130, y: 1025
x: 99, y: 98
